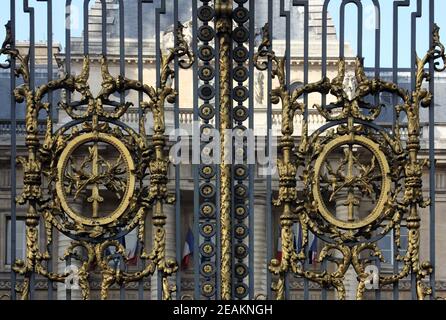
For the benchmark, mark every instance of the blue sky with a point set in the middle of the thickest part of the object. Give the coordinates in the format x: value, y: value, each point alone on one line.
x: 404, y: 28
x: 351, y: 25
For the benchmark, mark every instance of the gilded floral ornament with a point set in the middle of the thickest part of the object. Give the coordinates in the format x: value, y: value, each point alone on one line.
x: 373, y: 164
x: 70, y: 178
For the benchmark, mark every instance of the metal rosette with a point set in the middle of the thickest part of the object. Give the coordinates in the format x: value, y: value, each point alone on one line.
x: 240, y: 114
x: 207, y: 170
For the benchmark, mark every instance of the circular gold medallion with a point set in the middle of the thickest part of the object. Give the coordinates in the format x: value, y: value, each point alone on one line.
x: 358, y: 174
x: 93, y: 168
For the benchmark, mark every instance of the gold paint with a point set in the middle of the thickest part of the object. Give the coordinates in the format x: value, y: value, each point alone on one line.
x: 312, y: 153
x: 43, y: 159
x: 96, y: 178
x: 350, y: 181
x: 51, y: 159
x: 223, y: 11
x: 287, y: 169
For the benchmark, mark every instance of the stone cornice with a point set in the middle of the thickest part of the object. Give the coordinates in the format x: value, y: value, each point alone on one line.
x: 188, y: 284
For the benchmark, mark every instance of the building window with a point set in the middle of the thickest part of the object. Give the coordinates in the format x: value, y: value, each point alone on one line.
x: 387, y: 245
x: 440, y: 181
x: 5, y: 175
x: 20, y: 247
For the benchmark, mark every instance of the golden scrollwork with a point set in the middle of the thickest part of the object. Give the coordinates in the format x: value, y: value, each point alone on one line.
x: 223, y: 10
x: 392, y: 175
x: 66, y: 177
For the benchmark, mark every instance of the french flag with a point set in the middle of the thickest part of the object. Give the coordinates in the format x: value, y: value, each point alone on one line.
x: 188, y: 250
x: 131, y: 247
x: 312, y: 252
x: 312, y: 239
x: 279, y: 249
x: 297, y: 237
x: 130, y: 243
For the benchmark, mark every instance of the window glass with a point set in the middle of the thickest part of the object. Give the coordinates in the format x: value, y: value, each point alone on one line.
x: 20, y: 240
x: 387, y: 246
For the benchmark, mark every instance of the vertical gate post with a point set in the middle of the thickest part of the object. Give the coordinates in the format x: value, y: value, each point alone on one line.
x: 223, y: 12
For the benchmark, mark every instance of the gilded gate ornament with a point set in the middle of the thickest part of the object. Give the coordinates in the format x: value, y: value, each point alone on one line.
x: 374, y: 164
x: 118, y: 176
x: 97, y: 156
x: 351, y: 176
x: 223, y: 10
x: 88, y: 158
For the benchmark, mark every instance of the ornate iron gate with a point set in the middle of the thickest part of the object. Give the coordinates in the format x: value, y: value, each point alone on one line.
x: 92, y: 177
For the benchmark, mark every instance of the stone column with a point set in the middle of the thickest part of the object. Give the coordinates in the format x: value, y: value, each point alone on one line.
x: 169, y: 211
x: 260, y: 257
x: 350, y: 281
x: 63, y: 242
